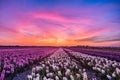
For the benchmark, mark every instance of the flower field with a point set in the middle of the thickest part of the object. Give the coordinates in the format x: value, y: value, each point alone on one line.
x: 59, y: 66
x: 107, y: 53
x: 13, y: 61
x: 56, y: 64
x: 103, y: 67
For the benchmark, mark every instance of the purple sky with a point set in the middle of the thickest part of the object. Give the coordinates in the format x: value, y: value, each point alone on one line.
x: 60, y: 22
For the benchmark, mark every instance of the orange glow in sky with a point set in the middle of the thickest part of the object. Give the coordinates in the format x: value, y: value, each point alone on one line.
x: 59, y: 23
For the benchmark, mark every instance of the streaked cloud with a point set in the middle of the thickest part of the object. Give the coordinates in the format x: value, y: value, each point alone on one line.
x: 60, y: 23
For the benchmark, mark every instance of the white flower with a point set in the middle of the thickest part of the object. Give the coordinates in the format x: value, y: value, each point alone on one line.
x: 33, y: 70
x: 64, y: 78
x: 85, y: 77
x: 79, y: 70
x: 94, y: 68
x: 37, y: 78
x: 109, y: 77
x: 57, y: 68
x: 67, y: 72
x: 34, y: 79
x: 103, y: 72
x: 47, y: 67
x: 43, y: 65
x: 117, y: 70
x: 94, y: 79
x: 56, y: 78
x: 84, y: 70
x: 29, y: 77
x: 98, y: 69
x: 113, y: 75
x: 59, y: 73
x: 71, y: 77
x: 33, y: 74
x: 49, y: 79
x: 38, y: 68
x: 44, y: 78
x: 38, y: 75
x: 49, y: 74
x: 47, y: 70
x: 78, y: 75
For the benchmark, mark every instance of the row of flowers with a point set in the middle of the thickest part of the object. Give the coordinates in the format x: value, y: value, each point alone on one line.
x: 108, y: 52
x: 103, y: 67
x: 16, y: 60
x: 58, y: 66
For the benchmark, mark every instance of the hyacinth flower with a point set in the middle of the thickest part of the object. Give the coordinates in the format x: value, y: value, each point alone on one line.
x: 58, y: 66
x: 103, y: 67
x: 2, y: 75
x: 14, y: 61
x: 85, y: 77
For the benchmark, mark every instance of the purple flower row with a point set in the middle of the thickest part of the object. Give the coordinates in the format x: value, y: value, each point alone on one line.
x: 110, y: 55
x: 12, y: 60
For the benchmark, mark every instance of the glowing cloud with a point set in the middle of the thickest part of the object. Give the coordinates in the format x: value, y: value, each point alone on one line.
x: 58, y: 23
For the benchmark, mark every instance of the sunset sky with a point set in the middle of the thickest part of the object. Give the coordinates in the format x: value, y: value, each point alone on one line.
x: 60, y: 22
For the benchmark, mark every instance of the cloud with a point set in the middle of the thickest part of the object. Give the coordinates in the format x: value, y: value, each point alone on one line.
x: 115, y: 37
x: 57, y: 17
x: 7, y: 29
x: 101, y: 38
x: 67, y: 24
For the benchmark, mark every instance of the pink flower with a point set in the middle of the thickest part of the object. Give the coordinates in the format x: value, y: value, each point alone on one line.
x: 2, y: 75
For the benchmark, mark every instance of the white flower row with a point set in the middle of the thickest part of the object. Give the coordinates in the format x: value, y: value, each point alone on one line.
x: 107, y: 68
x: 58, y: 66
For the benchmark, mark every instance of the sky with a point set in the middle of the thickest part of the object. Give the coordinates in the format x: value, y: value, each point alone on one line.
x: 60, y: 22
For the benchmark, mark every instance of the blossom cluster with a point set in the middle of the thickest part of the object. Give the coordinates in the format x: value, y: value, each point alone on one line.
x: 58, y: 66
x: 13, y: 61
x: 110, y: 52
x: 103, y: 67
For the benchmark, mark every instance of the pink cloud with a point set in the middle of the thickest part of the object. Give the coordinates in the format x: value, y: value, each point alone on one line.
x: 57, y: 17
